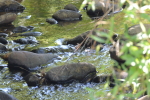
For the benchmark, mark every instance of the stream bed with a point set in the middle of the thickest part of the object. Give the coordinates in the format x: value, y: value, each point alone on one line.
x: 35, y: 15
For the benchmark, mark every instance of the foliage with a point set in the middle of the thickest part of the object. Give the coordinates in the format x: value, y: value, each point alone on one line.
x: 136, y: 52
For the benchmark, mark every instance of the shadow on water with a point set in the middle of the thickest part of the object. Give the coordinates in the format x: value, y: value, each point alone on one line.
x: 35, y: 15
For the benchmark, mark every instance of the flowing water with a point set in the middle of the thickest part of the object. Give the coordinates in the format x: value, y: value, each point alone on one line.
x: 35, y: 15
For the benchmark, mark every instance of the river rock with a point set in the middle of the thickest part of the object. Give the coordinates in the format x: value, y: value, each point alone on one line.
x: 5, y: 96
x: 89, y: 42
x: 82, y: 72
x: 51, y: 21
x: 3, y: 35
x: 27, y: 60
x: 135, y: 29
x: 21, y: 29
x: 101, y: 7
x: 54, y: 49
x: 31, y: 34
x: 32, y: 79
x: 3, y: 40
x: 71, y: 7
x: 135, y: 33
x: 2, y: 48
x: 10, y: 6
x: 7, y: 18
x: 27, y: 40
x: 115, y: 52
x: 67, y: 15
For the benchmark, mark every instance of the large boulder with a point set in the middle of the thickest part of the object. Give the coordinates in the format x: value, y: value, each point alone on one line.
x: 10, y: 6
x: 28, y: 60
x: 5, y: 96
x: 67, y: 15
x: 7, y: 18
x: 82, y: 72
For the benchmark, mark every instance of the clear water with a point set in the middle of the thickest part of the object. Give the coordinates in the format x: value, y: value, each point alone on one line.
x: 35, y: 15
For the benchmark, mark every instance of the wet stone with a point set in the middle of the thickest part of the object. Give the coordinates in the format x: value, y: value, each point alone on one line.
x: 5, y: 96
x: 101, y: 7
x: 51, y: 21
x: 28, y: 60
x: 10, y: 6
x: 67, y: 15
x: 31, y: 34
x: 89, y: 41
x: 27, y: 40
x: 82, y: 72
x: 135, y: 29
x: 54, y: 49
x: 32, y: 79
x: 3, y: 35
x: 2, y: 48
x: 21, y: 29
x: 71, y: 7
x: 7, y: 18
x: 115, y: 53
x: 3, y: 40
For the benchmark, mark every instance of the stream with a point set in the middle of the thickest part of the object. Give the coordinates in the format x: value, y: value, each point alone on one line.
x: 35, y: 14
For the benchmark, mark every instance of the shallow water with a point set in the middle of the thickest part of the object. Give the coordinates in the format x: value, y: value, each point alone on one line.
x: 35, y: 15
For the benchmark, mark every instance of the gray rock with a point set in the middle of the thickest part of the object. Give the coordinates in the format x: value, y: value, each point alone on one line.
x: 115, y: 52
x: 27, y: 60
x: 32, y: 79
x: 67, y: 15
x: 7, y: 18
x: 2, y: 48
x: 82, y: 72
x: 10, y: 6
x: 3, y: 35
x: 31, y: 34
x: 71, y: 7
x: 89, y: 41
x: 3, y: 40
x: 5, y: 96
x: 51, y: 21
x: 27, y: 40
x: 135, y: 29
x: 101, y: 7
x: 21, y: 29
